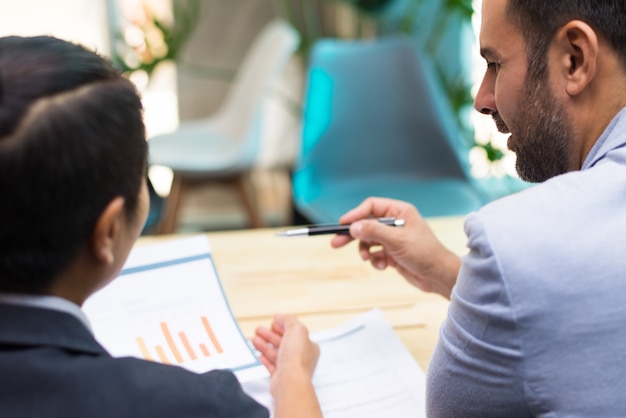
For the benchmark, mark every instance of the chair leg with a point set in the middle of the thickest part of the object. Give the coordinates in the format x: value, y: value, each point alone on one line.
x: 249, y: 199
x: 172, y: 206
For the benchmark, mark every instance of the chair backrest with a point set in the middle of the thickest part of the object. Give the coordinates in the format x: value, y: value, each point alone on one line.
x: 265, y: 59
x: 375, y: 107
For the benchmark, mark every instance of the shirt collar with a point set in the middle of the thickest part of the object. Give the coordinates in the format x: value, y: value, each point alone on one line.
x: 46, y: 302
x: 613, y: 137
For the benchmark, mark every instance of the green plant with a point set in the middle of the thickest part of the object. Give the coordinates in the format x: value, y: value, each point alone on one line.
x: 154, y: 40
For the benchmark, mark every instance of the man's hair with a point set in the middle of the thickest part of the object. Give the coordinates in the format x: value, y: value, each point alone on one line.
x: 71, y: 139
x: 539, y: 20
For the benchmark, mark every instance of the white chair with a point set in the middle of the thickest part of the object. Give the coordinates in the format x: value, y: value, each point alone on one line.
x: 224, y: 146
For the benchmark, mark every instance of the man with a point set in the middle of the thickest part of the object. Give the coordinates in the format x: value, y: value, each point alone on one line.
x: 535, y: 325
x: 74, y: 200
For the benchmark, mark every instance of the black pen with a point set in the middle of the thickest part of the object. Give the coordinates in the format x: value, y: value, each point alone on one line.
x: 332, y: 229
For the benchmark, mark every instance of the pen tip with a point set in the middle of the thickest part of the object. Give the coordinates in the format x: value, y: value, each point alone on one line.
x: 281, y: 234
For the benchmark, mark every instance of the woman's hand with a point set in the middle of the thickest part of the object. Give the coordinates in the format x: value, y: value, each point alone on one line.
x: 290, y: 357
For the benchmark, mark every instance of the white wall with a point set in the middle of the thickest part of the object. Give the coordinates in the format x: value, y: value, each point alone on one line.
x: 81, y: 21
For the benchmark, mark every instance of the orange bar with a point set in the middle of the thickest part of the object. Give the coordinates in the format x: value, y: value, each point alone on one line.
x: 144, y: 350
x: 162, y: 355
x: 205, y: 350
x: 209, y: 331
x: 170, y: 342
x: 185, y: 341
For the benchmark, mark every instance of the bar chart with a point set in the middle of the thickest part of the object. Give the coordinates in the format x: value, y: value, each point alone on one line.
x: 178, y: 347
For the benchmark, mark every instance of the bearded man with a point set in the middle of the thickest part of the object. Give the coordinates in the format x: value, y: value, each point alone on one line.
x: 537, y: 306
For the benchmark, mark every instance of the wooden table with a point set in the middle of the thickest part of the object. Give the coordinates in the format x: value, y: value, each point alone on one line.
x: 263, y: 274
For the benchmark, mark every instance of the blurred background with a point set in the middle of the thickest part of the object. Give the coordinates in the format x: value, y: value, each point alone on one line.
x: 188, y: 59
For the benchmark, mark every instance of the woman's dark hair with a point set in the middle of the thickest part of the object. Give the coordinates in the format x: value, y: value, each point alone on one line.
x: 539, y: 21
x: 71, y: 139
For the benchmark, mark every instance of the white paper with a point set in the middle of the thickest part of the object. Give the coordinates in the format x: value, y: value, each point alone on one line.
x: 364, y: 371
x: 168, y: 306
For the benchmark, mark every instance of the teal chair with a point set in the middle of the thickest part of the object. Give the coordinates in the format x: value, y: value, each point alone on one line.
x: 376, y: 123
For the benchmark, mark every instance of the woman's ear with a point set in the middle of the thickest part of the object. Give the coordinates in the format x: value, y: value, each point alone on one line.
x: 107, y: 231
x: 577, y: 48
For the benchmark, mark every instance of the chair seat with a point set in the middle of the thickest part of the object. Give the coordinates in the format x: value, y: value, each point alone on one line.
x: 433, y: 197
x: 200, y: 150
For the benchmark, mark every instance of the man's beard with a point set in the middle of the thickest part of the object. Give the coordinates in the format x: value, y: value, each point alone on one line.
x: 542, y: 133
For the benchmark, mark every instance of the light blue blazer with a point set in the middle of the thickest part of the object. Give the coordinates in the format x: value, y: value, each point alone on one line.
x: 537, y: 320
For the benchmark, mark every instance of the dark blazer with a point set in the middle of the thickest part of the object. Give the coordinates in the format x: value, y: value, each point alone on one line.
x: 51, y: 366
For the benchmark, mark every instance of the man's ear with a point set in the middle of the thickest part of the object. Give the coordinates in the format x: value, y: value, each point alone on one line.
x: 578, y: 48
x: 107, y: 230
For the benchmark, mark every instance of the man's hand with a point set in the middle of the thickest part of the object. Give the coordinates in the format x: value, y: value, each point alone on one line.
x: 413, y: 249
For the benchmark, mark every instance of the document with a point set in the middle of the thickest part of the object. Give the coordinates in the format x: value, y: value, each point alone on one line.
x: 168, y: 306
x: 364, y: 370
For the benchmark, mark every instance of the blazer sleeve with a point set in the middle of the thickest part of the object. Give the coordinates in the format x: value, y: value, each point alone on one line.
x: 477, y: 364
